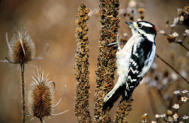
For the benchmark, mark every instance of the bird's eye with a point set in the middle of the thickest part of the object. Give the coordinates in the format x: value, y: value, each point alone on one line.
x: 140, y: 25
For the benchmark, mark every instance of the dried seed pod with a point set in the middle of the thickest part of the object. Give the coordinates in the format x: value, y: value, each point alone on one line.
x: 169, y: 112
x: 184, y: 15
x: 171, y: 38
x: 22, y: 49
x: 144, y: 118
x: 142, y: 17
x: 131, y: 18
x: 41, y: 96
x: 141, y: 10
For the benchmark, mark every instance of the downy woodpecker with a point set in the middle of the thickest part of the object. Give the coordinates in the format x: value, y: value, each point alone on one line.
x: 133, y: 61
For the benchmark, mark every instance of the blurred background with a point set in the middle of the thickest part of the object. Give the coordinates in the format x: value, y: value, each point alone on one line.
x: 53, y: 22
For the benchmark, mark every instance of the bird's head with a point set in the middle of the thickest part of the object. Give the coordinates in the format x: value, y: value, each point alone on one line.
x: 143, y: 28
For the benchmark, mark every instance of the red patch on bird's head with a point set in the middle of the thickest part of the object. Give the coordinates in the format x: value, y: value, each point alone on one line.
x: 154, y: 27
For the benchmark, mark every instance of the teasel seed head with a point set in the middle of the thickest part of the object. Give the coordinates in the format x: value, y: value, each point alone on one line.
x: 22, y: 49
x: 41, y: 96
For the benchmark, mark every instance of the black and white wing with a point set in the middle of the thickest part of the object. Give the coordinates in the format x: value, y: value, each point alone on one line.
x: 142, y: 56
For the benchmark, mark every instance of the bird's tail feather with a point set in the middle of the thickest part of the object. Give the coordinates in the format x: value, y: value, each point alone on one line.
x: 112, y: 97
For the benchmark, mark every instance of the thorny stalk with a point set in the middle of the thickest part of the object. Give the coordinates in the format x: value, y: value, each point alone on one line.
x: 81, y: 67
x: 159, y: 57
x: 106, y: 59
x: 23, y: 93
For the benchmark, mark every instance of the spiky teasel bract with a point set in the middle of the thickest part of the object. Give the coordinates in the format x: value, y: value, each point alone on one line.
x: 21, y: 48
x: 41, y: 96
x: 81, y: 67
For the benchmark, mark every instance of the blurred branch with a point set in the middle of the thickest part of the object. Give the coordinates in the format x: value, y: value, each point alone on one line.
x: 182, y: 45
x: 172, y: 68
x: 172, y: 38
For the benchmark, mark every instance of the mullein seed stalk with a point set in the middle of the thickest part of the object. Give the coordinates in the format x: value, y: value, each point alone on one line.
x: 81, y: 67
x: 123, y: 111
x: 106, y: 59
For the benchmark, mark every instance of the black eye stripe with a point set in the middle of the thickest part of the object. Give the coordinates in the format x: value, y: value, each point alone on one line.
x: 148, y: 30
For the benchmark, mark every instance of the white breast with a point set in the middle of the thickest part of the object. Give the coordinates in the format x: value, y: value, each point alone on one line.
x: 124, y: 55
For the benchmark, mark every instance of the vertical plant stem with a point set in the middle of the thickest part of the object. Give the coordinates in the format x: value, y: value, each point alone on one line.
x: 81, y: 67
x: 41, y: 120
x: 123, y: 111
x: 106, y: 59
x: 23, y: 92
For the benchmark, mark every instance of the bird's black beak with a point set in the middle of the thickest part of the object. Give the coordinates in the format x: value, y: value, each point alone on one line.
x: 129, y: 23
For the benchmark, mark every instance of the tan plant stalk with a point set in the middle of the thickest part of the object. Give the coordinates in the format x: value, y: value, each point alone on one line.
x: 106, y: 59
x: 123, y: 111
x: 81, y: 67
x: 23, y: 93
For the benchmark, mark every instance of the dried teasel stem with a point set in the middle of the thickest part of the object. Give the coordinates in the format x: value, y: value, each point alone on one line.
x: 123, y: 111
x: 106, y: 60
x: 41, y: 120
x: 23, y: 93
x: 21, y: 51
x: 81, y: 67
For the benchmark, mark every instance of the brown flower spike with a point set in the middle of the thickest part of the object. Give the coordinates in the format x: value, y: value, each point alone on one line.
x: 106, y: 60
x: 81, y: 67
